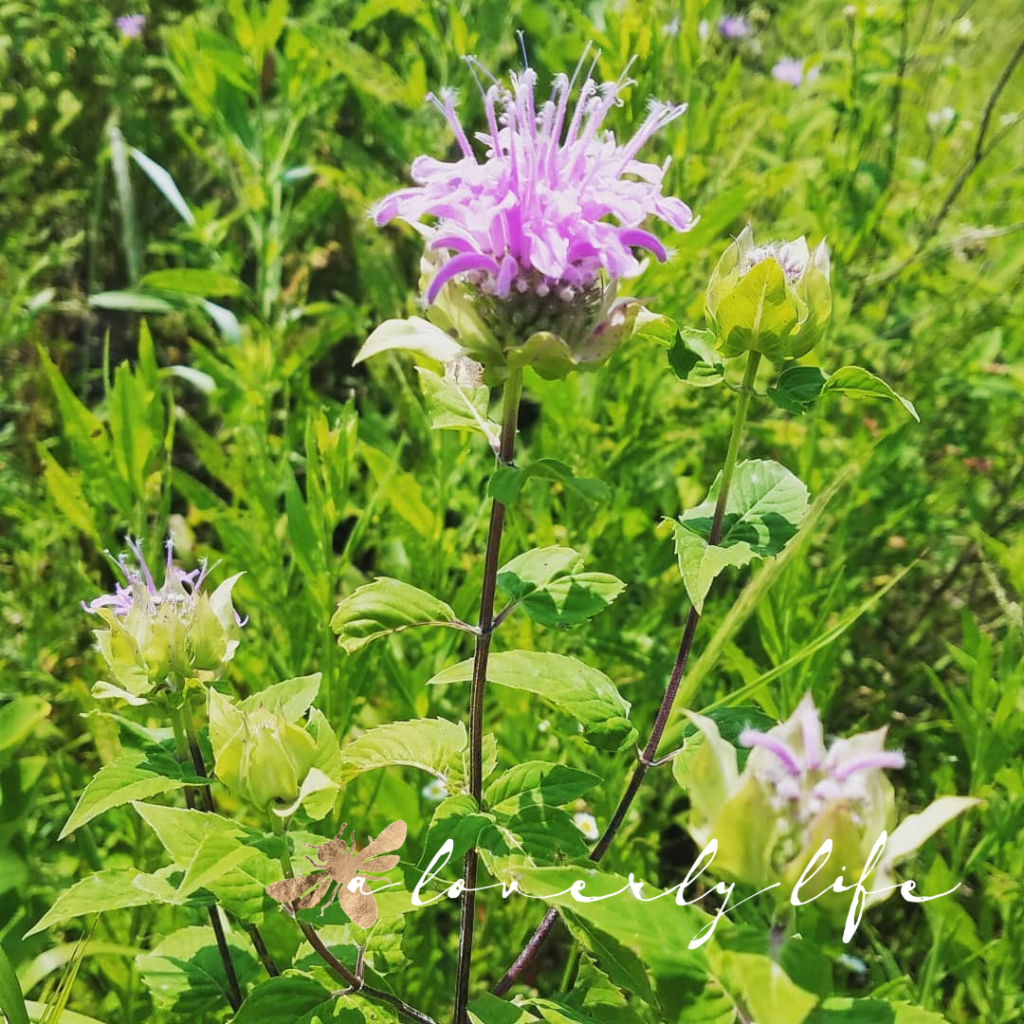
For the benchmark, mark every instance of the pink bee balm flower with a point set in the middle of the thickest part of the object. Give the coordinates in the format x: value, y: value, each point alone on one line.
x: 554, y: 203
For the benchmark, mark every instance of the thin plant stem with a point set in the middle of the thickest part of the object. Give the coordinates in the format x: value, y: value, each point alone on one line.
x: 485, y: 630
x: 648, y: 757
x: 179, y: 717
x: 354, y: 980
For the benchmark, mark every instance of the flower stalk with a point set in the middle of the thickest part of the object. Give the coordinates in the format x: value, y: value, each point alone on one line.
x: 354, y: 980
x: 485, y: 630
x: 180, y: 720
x: 648, y: 757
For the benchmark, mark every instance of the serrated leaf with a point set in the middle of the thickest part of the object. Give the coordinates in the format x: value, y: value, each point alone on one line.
x: 693, y: 358
x: 182, y: 831
x: 763, y: 511
x: 550, y: 586
x: 457, y: 818
x: 113, y: 889
x: 583, y: 692
x: 281, y: 1000
x: 383, y: 607
x: 185, y: 974
x: 507, y: 483
x: 133, y: 776
x: 537, y: 782
x: 798, y: 388
x: 293, y: 697
x: 456, y: 406
x: 431, y: 744
x: 237, y: 874
x: 546, y: 833
x: 654, y: 934
x: 857, y: 382
x: 759, y: 983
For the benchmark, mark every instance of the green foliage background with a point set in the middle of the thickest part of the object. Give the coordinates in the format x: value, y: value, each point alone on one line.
x: 244, y: 428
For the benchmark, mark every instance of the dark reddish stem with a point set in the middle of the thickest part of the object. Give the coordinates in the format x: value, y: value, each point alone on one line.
x: 648, y: 756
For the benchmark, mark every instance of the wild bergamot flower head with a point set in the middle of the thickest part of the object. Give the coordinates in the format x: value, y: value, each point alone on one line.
x: 527, y: 240
x: 166, y: 634
x: 796, y: 794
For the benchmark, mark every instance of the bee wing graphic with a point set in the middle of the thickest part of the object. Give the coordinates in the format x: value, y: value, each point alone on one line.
x: 361, y: 907
x: 380, y: 864
x: 390, y: 839
x: 302, y: 892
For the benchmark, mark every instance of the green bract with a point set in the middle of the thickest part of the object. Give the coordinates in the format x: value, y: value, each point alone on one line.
x: 259, y: 755
x: 774, y: 299
x: 546, y: 332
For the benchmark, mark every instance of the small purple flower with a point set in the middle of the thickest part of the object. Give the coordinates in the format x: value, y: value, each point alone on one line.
x: 556, y: 201
x: 791, y: 71
x: 130, y: 25
x: 733, y: 26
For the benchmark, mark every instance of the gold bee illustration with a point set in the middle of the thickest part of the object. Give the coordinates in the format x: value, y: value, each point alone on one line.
x: 341, y: 864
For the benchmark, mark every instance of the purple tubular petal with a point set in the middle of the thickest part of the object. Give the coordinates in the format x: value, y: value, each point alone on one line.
x: 753, y: 738
x: 810, y: 727
x: 136, y: 546
x: 505, y: 275
x: 459, y: 265
x: 886, y: 759
x: 644, y: 240
x: 446, y: 104
x: 456, y: 242
x: 390, y: 206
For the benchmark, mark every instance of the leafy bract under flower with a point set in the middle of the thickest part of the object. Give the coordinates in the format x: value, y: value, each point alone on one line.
x: 555, y: 201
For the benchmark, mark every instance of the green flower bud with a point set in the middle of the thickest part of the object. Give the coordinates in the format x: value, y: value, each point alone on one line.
x: 774, y: 299
x: 163, y: 635
x: 259, y: 755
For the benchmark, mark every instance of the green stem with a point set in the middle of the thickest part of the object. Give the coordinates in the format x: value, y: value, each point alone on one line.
x: 648, y: 757
x: 485, y: 630
x: 179, y: 720
x: 732, y: 454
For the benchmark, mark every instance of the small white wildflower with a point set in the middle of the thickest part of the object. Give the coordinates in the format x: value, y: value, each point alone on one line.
x: 435, y: 791
x: 940, y: 121
x: 587, y: 824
